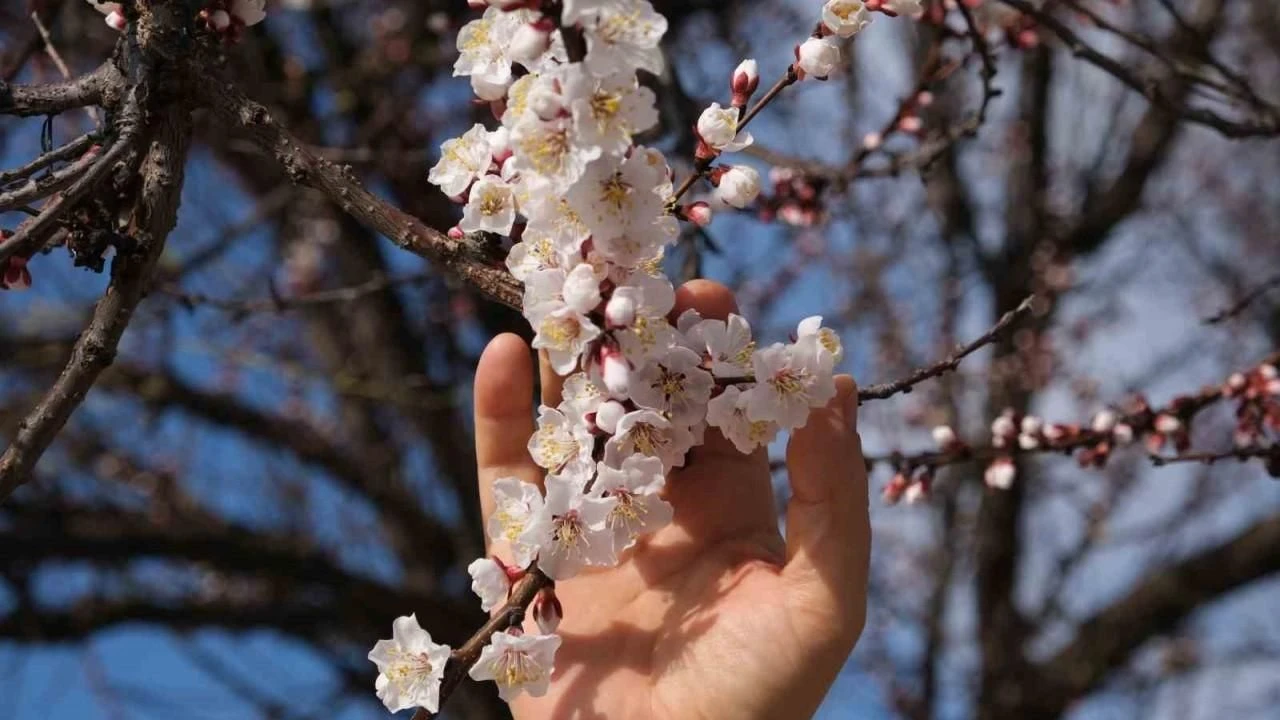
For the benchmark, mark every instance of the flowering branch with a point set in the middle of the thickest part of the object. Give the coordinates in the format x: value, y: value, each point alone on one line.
x: 510, y: 615
x: 1257, y: 393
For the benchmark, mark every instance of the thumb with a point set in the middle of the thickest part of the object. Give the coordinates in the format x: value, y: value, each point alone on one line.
x: 828, y: 528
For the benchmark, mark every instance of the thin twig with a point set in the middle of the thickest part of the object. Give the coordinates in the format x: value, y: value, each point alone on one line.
x: 952, y: 361
x: 281, y: 304
x: 48, y: 185
x: 73, y: 149
x: 52, y: 52
x: 1243, y: 303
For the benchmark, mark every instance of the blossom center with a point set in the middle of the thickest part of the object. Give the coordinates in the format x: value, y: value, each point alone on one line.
x: 568, y: 530
x: 517, y: 668
x: 788, y: 381
x: 561, y: 331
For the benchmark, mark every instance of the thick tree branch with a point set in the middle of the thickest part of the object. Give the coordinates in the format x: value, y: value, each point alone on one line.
x: 100, y: 87
x: 1157, y: 605
x: 154, y: 216
x: 467, y: 258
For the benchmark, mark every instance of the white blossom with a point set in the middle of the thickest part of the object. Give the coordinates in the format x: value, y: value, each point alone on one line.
x: 484, y: 44
x: 1104, y: 421
x: 675, y: 385
x: 564, y: 333
x: 790, y: 379
x: 551, y: 151
x: 728, y: 412
x: 635, y: 487
x: 646, y: 432
x: 818, y: 57
x: 462, y: 160
x: 489, y: 582
x: 943, y: 436
x: 615, y: 198
x: 562, y: 444
x: 410, y: 667
x: 517, y: 663
x: 608, y: 111
x: 845, y: 18
x: 623, y: 36
x: 811, y: 330
x: 579, y: 397
x: 718, y: 128
x: 571, y: 530
x: 727, y: 344
x: 515, y: 502
x: 608, y: 414
x: 491, y: 207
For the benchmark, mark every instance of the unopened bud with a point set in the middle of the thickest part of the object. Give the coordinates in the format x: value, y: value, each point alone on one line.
x: 893, y: 491
x: 698, y: 213
x: 944, y: 436
x: 620, y: 311
x: 530, y: 41
x: 1123, y: 434
x: 745, y: 80
x: 455, y: 233
x: 1000, y: 474
x: 616, y: 374
x: 488, y: 91
x: 1104, y: 422
x: 818, y: 57
x: 547, y: 611
x: 608, y: 415
x: 1167, y: 424
x: 115, y: 20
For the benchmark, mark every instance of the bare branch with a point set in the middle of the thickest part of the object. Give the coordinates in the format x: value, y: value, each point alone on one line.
x: 154, y: 216
x: 99, y: 87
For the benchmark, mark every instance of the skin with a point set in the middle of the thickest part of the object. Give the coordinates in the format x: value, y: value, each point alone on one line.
x: 717, y: 615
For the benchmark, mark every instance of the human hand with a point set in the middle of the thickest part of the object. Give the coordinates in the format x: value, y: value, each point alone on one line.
x: 715, y: 615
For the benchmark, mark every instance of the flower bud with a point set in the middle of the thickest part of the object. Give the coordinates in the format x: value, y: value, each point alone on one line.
x: 455, y: 233
x: 15, y: 275
x: 1104, y: 421
x: 1167, y: 424
x: 944, y: 436
x: 1123, y: 434
x: 530, y: 41
x: 620, y: 311
x: 918, y: 491
x: 115, y: 20
x: 911, y: 124
x: 544, y: 101
x: 818, y: 57
x: 739, y: 186
x: 745, y: 80
x: 1000, y: 474
x: 1028, y: 442
x: 608, y: 415
x: 547, y: 611
x: 872, y: 140
x: 500, y: 145
x: 893, y: 491
x: 698, y: 213
x: 616, y: 373
x: 488, y: 91
x: 220, y: 20
x: 1031, y: 425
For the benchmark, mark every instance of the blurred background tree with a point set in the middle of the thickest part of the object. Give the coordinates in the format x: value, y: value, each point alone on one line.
x: 279, y: 460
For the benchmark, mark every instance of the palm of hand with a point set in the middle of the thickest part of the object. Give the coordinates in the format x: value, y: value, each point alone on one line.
x: 713, y: 616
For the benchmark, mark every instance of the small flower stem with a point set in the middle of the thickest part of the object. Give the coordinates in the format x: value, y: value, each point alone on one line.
x: 700, y: 167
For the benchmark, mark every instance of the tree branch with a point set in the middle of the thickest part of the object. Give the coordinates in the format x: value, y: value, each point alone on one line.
x: 154, y: 217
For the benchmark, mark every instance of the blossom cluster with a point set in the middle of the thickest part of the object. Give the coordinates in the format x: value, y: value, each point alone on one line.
x: 590, y: 213
x: 1255, y: 394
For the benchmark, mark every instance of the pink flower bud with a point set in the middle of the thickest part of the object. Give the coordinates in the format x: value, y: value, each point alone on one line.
x: 872, y: 140
x: 455, y: 233
x: 1031, y: 425
x: 1236, y: 383
x: 1123, y: 434
x: 911, y: 124
x: 608, y: 415
x: 115, y: 20
x: 16, y: 276
x: 1268, y: 372
x: 893, y: 491
x: 745, y: 80
x: 547, y: 611
x: 1000, y: 474
x: 918, y: 491
x: 1028, y: 442
x: 1104, y: 421
x: 698, y: 213
x: 924, y: 98
x: 1167, y: 424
